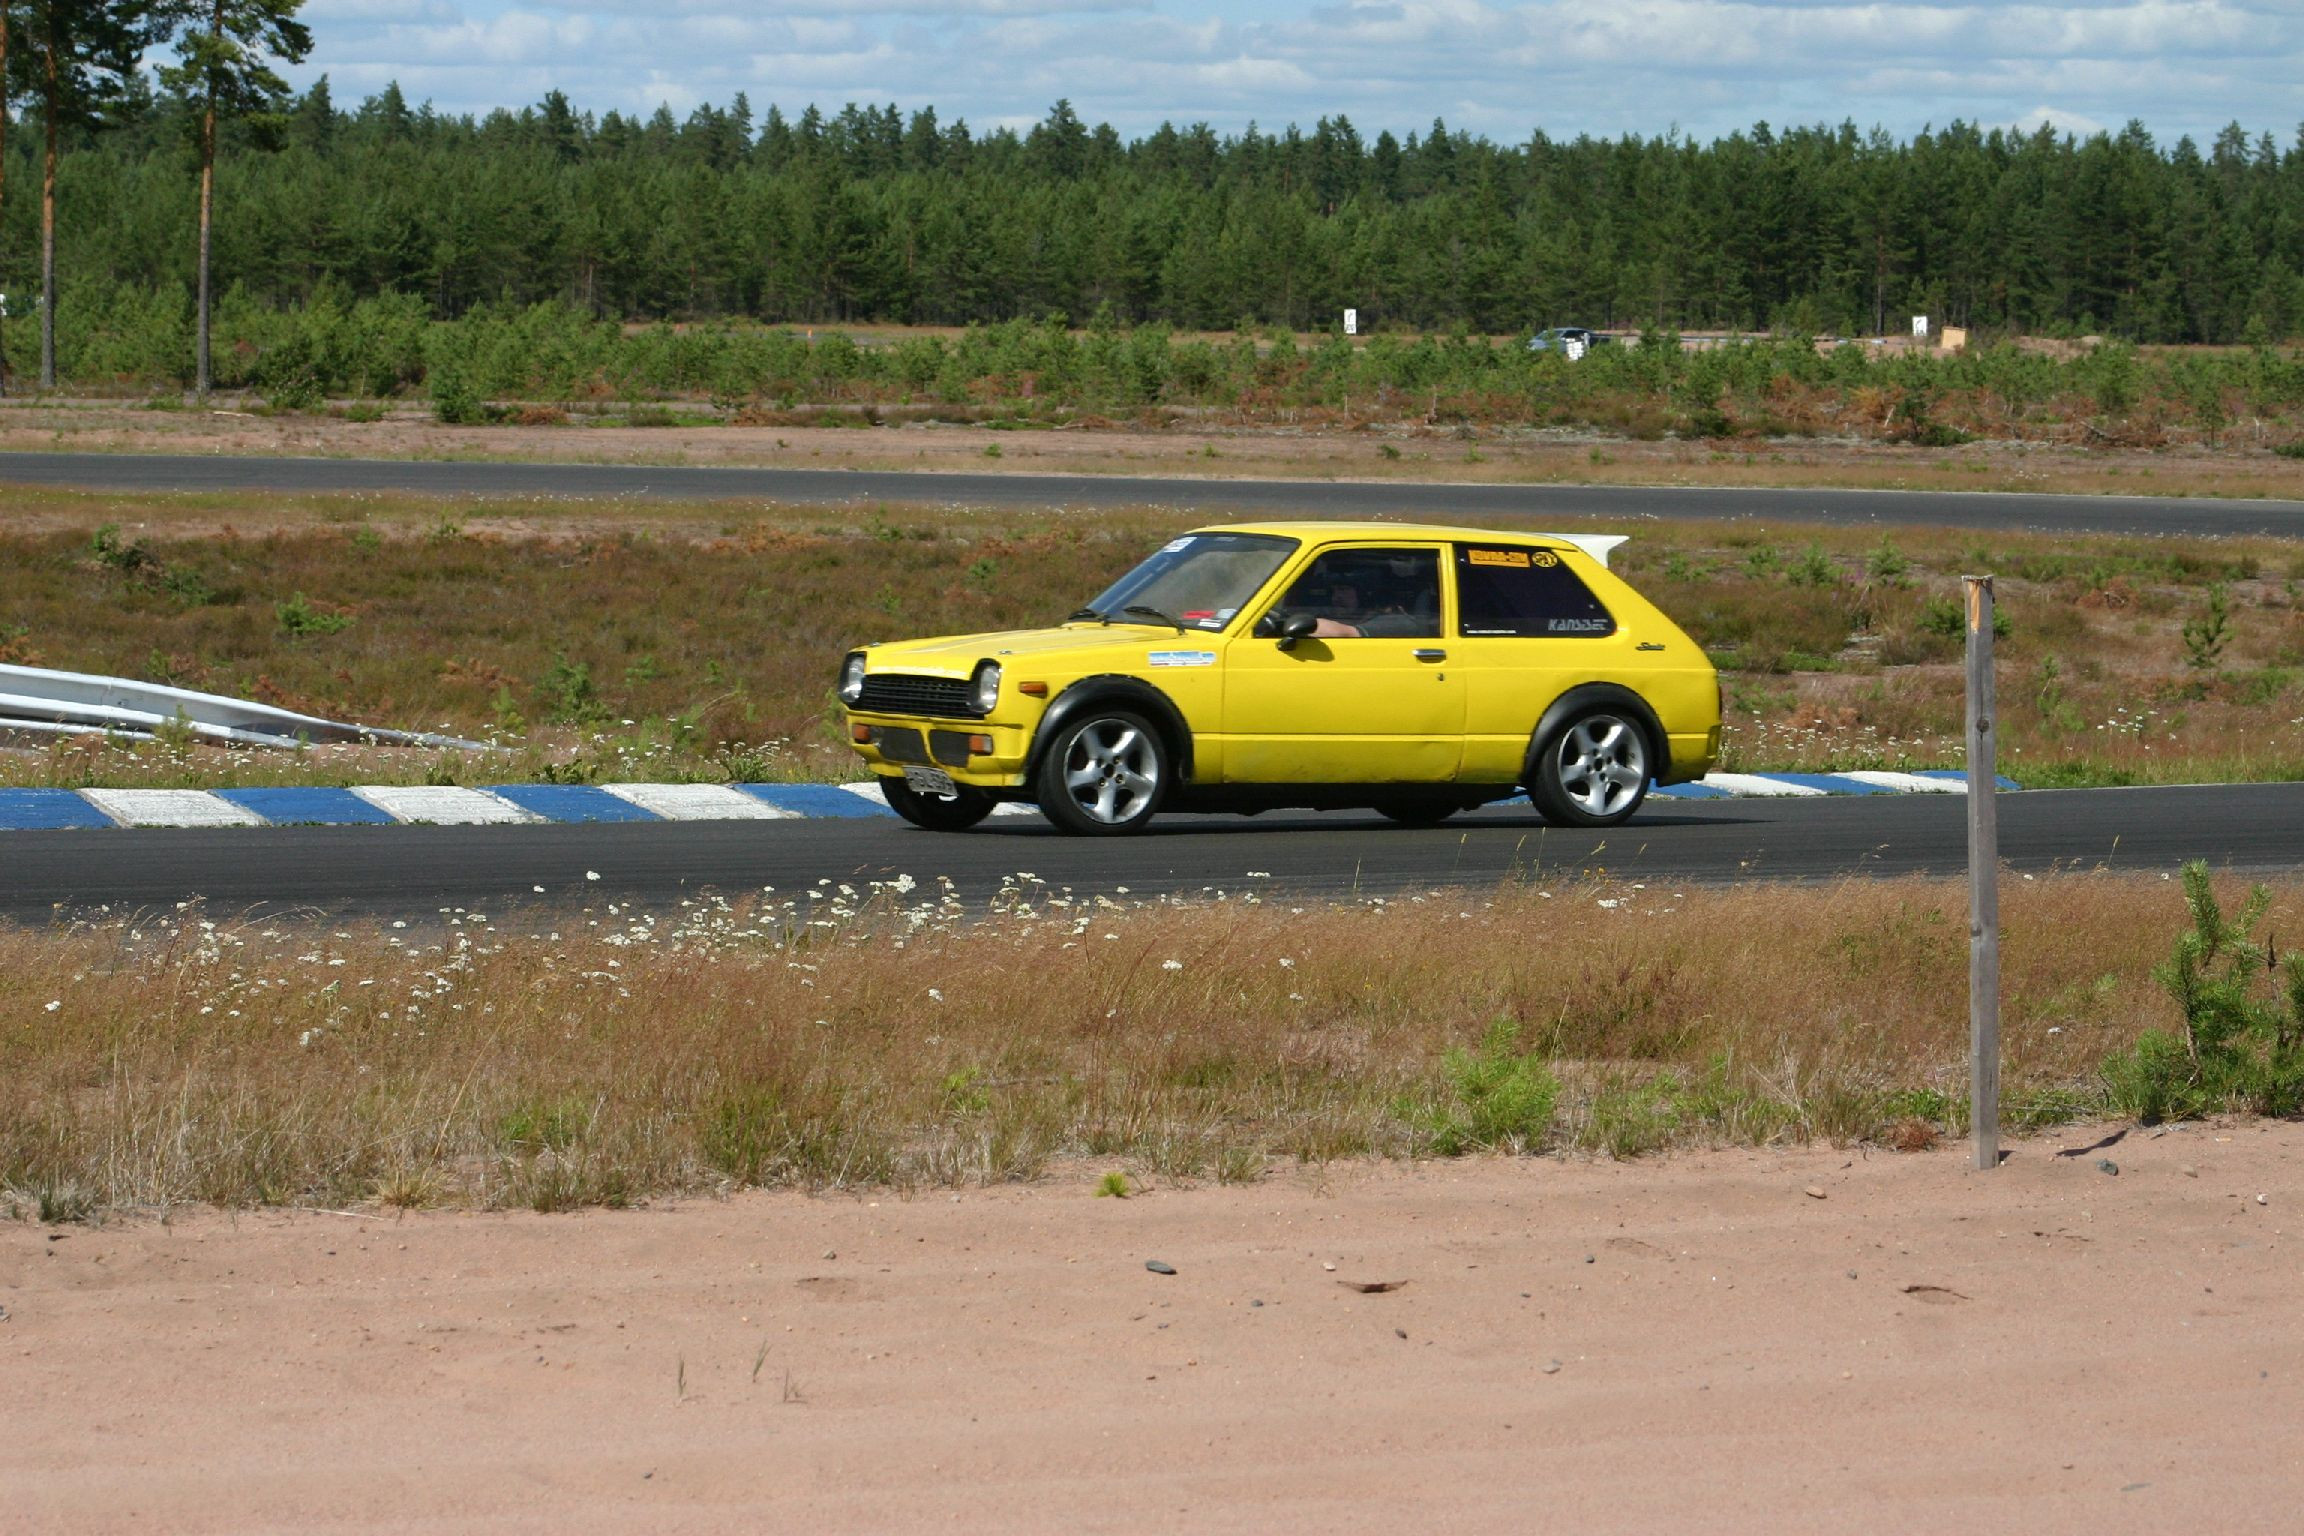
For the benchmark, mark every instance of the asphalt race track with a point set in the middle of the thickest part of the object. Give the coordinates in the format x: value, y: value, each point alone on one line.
x: 1260, y: 498
x: 388, y: 871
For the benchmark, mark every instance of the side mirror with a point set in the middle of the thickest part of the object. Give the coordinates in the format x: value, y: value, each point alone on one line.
x: 1295, y: 627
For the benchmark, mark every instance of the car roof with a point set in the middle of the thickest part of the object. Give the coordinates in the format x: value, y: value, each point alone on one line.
x: 1597, y: 545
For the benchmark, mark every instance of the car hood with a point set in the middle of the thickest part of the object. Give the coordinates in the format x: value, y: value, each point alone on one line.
x: 957, y: 655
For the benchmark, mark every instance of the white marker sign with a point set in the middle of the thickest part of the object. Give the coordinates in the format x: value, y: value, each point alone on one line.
x: 1351, y: 322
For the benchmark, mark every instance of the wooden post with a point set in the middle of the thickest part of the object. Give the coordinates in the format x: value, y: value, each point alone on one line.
x: 1983, y: 883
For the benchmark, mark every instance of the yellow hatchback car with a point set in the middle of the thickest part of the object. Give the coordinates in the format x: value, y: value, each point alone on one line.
x: 1416, y: 671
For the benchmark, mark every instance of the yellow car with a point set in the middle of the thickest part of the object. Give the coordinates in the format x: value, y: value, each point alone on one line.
x: 1416, y: 671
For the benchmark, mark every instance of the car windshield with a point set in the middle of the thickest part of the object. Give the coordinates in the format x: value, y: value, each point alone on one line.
x: 1198, y: 581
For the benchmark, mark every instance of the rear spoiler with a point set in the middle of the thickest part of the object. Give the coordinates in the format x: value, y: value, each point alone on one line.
x: 1596, y: 545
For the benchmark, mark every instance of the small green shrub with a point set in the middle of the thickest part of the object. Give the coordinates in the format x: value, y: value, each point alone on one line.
x: 2206, y: 636
x: 568, y: 694
x: 299, y: 618
x: 1947, y: 619
x: 2239, y: 1049
x: 1498, y: 1098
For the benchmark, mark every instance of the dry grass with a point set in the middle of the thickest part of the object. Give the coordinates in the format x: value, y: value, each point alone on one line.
x: 844, y: 1038
x: 685, y: 641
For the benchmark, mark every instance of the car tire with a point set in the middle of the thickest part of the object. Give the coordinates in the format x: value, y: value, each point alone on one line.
x: 1593, y: 771
x: 1417, y: 813
x: 1103, y: 775
x: 937, y: 814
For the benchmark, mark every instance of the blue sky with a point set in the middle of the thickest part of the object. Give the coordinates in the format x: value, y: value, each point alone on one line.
x: 1499, y: 68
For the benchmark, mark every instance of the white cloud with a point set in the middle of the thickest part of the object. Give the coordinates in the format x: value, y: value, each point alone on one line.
x: 2045, y: 116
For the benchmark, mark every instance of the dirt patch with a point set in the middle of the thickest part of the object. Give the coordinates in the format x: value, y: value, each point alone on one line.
x: 1924, y: 1343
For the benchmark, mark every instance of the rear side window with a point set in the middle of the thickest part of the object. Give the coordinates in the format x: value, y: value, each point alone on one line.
x: 1502, y: 590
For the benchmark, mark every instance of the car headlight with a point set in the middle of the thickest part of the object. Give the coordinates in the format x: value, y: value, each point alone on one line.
x: 852, y: 678
x: 985, y: 691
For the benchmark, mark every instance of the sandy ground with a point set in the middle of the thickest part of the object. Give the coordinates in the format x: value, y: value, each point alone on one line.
x: 1689, y: 1343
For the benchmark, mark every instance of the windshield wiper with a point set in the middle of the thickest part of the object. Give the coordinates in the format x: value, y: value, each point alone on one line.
x: 1151, y: 613
x: 1087, y: 613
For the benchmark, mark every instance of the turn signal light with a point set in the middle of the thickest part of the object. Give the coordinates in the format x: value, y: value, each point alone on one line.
x: 980, y: 746
x: 1036, y: 690
x: 862, y: 733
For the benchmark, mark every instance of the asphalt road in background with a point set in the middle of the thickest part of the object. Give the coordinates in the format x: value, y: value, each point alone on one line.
x: 414, y: 871
x: 1262, y: 498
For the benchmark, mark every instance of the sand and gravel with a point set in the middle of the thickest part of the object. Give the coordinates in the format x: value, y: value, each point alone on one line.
x: 1772, y: 1340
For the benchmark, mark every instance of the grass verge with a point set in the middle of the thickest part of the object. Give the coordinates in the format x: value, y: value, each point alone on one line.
x: 849, y: 1037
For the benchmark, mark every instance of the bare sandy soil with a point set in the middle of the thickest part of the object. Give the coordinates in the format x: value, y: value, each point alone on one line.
x: 1810, y: 1339
x: 1321, y: 449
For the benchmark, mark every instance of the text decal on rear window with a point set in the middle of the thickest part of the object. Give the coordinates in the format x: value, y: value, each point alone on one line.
x: 1506, y: 592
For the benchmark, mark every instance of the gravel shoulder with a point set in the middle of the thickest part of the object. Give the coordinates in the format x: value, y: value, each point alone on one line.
x: 1800, y: 1339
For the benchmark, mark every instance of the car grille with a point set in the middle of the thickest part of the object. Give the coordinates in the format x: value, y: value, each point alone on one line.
x: 903, y: 693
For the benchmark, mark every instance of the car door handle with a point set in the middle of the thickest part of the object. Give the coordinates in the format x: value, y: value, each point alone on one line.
x: 1429, y: 653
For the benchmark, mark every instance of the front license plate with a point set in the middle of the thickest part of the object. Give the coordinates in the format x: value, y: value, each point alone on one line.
x: 930, y: 781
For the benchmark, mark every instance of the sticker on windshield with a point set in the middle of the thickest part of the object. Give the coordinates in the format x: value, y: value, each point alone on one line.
x: 1173, y: 545
x: 1181, y: 659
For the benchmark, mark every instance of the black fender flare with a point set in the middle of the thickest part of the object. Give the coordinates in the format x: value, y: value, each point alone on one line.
x: 1118, y: 690
x: 1612, y: 696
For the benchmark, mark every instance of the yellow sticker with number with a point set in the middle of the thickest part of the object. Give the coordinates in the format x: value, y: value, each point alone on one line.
x: 1513, y: 557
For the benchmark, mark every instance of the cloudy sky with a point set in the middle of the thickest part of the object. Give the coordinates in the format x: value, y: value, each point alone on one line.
x: 1497, y: 67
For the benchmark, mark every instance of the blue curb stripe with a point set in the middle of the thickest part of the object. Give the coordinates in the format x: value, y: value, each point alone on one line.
x: 571, y: 802
x: 307, y: 806
x: 1687, y: 792
x: 47, y: 810
x: 814, y: 800
x: 1830, y: 783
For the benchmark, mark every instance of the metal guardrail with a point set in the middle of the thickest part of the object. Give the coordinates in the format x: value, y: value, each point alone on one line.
x: 40, y: 702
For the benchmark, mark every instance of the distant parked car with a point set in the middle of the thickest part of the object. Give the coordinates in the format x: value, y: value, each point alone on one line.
x: 1575, y: 340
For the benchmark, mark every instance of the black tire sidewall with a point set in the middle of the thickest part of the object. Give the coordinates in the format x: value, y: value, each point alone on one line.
x: 1055, y: 800
x: 932, y: 812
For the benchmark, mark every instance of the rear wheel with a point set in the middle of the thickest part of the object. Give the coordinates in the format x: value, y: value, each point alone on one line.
x: 967, y: 806
x: 1104, y: 774
x: 1593, y: 772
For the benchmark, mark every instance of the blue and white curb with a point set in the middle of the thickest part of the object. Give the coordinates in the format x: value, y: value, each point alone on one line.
x: 527, y: 804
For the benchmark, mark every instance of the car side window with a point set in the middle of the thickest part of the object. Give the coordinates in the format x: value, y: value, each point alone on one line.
x: 1374, y: 593
x: 1501, y: 590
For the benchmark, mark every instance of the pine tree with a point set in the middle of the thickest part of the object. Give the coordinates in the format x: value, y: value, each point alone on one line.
x: 78, y: 59
x: 224, y: 65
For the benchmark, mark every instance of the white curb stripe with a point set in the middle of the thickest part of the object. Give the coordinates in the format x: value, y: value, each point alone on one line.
x: 443, y: 805
x: 696, y: 802
x: 170, y: 808
x: 1907, y: 783
x: 1758, y: 785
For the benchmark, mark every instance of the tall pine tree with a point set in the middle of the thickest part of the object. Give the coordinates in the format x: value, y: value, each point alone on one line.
x: 224, y: 64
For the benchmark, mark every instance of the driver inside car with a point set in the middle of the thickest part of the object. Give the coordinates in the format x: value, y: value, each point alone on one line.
x: 1396, y: 599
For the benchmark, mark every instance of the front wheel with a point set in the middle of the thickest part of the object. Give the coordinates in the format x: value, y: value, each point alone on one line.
x: 1102, y: 775
x: 964, y: 809
x: 1593, y: 772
